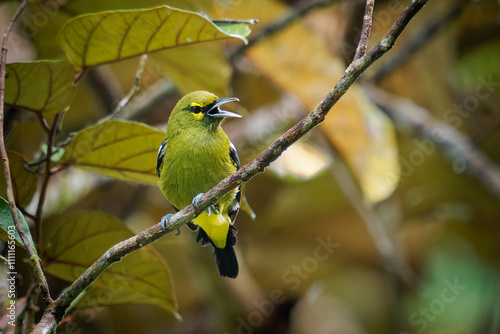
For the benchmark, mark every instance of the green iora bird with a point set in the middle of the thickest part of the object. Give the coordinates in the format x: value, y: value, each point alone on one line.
x: 195, y: 156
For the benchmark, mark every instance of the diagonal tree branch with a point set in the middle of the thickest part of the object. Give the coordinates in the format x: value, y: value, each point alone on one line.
x: 35, y: 260
x: 56, y: 310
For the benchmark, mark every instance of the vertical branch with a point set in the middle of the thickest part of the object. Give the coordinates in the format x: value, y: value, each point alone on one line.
x: 48, y: 173
x: 366, y: 30
x: 35, y: 261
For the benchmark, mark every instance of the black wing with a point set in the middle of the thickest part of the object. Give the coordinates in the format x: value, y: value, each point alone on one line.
x: 161, y: 155
x: 235, y: 207
x: 234, y: 155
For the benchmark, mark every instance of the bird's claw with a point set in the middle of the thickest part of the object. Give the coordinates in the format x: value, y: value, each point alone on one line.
x: 165, y: 220
x: 196, y: 200
x: 210, y: 209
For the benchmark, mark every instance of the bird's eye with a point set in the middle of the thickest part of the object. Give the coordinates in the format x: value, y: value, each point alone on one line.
x: 195, y: 109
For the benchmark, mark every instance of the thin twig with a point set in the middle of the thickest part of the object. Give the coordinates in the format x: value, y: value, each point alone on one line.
x: 35, y: 260
x: 281, y: 24
x: 135, y: 88
x: 43, y: 122
x: 459, y: 147
x: 55, y: 312
x: 26, y: 213
x: 430, y: 30
x: 366, y: 30
x: 45, y: 181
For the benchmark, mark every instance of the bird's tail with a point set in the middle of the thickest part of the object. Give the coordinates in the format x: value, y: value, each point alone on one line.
x: 225, y: 257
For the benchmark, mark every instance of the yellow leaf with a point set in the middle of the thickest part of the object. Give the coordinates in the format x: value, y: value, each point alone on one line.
x: 120, y: 149
x: 23, y: 181
x: 105, y: 37
x: 41, y: 86
x: 206, y: 64
x: 298, y: 60
x: 141, y: 277
x: 366, y: 138
x: 300, y: 161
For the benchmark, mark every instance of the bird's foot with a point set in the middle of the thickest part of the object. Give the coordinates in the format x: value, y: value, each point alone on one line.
x: 210, y: 209
x: 165, y: 221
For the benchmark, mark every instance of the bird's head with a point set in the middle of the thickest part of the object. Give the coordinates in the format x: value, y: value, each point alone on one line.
x: 201, y: 109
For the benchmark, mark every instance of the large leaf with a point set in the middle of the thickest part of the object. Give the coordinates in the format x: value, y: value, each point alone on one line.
x: 43, y: 86
x: 120, y: 149
x: 8, y: 228
x: 105, y: 37
x: 141, y: 277
x: 299, y: 61
x: 23, y: 181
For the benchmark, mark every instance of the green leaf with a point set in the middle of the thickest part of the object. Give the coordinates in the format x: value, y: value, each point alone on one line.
x: 120, y: 149
x: 105, y: 37
x: 141, y: 277
x: 8, y: 228
x: 42, y: 86
x: 23, y: 181
x: 238, y: 29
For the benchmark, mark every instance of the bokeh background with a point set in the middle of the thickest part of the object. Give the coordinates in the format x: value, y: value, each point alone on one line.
x: 384, y: 219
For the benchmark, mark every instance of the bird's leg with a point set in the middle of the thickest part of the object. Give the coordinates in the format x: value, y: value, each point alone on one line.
x: 165, y: 220
x: 210, y: 209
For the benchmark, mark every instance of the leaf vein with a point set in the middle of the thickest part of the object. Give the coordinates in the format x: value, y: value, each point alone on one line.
x: 127, y: 31
x: 89, y: 37
x: 49, y: 91
x: 71, y: 245
x: 116, y: 140
x: 162, y: 22
x: 201, y: 29
x: 178, y: 35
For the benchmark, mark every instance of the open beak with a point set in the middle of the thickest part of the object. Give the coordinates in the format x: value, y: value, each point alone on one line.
x: 217, y: 113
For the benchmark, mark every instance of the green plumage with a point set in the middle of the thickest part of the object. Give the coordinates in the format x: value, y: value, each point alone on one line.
x: 194, y: 157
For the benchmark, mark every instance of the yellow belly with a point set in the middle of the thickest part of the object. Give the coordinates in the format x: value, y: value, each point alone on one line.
x: 216, y: 227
